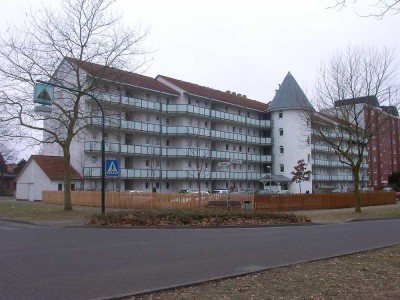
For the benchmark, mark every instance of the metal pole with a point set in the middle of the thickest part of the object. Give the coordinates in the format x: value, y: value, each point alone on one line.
x: 103, y: 161
x: 229, y: 187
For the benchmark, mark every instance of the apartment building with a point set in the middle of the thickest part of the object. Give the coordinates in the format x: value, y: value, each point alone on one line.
x: 169, y: 134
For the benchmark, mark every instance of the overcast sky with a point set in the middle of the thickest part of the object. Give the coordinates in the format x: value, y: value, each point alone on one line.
x: 243, y: 46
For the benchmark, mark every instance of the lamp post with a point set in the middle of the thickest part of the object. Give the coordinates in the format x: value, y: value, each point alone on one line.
x: 103, y: 161
x: 270, y: 178
x: 228, y: 164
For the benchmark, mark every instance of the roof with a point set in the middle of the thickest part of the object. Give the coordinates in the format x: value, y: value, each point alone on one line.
x: 391, y: 110
x: 289, y: 95
x: 53, y: 167
x: 122, y: 76
x: 371, y: 100
x: 207, y: 92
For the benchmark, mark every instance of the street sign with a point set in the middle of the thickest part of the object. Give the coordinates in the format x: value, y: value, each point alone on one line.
x: 43, y: 94
x: 112, y: 167
x: 223, y: 163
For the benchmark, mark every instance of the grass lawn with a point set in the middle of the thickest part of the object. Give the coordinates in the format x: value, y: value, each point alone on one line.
x: 41, y: 212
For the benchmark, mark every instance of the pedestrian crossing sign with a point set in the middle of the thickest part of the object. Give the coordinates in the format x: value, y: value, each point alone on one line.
x: 43, y: 94
x: 112, y: 167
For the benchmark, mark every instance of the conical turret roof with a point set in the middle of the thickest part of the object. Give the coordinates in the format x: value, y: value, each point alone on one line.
x: 289, y: 95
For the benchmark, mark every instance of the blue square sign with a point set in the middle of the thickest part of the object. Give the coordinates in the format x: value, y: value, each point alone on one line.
x: 112, y: 167
x: 43, y: 94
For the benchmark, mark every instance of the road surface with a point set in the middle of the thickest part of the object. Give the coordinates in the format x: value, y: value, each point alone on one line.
x: 48, y: 262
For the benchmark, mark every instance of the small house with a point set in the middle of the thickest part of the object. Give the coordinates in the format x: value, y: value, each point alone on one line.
x: 41, y: 173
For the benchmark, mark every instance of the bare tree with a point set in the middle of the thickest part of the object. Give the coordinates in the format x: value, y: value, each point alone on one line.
x: 85, y: 36
x: 199, y: 155
x: 379, y: 8
x: 350, y: 87
x: 300, y: 173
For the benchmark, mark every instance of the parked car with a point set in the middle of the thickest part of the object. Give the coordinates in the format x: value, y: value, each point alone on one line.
x: 185, y: 191
x: 220, y: 192
x: 388, y: 189
x: 366, y: 189
x: 340, y: 191
x: 264, y: 192
x: 285, y: 192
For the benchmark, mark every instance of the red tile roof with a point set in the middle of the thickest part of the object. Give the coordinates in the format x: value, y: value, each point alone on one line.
x: 121, y: 76
x: 53, y: 167
x: 207, y: 92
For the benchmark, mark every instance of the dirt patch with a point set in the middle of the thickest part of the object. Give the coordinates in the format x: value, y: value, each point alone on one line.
x: 367, y: 275
x: 201, y: 218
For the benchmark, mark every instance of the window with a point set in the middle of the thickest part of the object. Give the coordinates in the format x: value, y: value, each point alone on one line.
x: 60, y: 186
x: 240, y: 148
x: 72, y: 186
x: 189, y: 101
x: 233, y: 128
x: 281, y: 150
x: 206, y: 165
x: 282, y: 168
x: 167, y: 100
x: 167, y: 143
x: 280, y: 114
x: 308, y: 157
x: 167, y: 121
x: 158, y: 163
x: 147, y: 163
x: 167, y: 185
x: 146, y: 185
x: 226, y: 146
x: 157, y: 185
x: 147, y: 140
x: 147, y: 95
x: 189, y: 164
x: 206, y: 124
x: 308, y: 140
x: 94, y: 160
x: 280, y: 131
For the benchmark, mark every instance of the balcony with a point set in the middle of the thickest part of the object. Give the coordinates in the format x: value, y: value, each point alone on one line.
x: 94, y: 146
x: 180, y: 130
x: 182, y: 109
x: 176, y: 174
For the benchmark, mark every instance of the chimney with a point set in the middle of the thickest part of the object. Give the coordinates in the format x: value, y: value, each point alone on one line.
x: 228, y: 91
x: 233, y: 93
x: 239, y: 95
x: 244, y: 96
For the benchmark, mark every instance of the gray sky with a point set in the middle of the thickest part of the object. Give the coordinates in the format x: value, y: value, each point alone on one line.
x: 243, y: 46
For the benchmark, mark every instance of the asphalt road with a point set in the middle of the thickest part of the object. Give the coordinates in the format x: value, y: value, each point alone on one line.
x: 42, y: 262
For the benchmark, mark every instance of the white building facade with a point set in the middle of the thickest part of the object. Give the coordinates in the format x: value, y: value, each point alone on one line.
x: 169, y: 135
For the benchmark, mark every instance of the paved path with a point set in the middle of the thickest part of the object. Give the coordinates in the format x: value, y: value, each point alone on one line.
x: 44, y: 262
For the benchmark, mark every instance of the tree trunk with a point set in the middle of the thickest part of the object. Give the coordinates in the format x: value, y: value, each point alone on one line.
x: 67, y: 179
x: 357, y: 197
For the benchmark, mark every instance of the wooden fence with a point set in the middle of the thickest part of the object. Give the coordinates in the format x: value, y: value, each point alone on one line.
x: 149, y: 200
x: 320, y: 201
x: 236, y: 201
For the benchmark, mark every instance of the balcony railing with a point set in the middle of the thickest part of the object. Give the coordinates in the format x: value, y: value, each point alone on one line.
x: 93, y: 146
x: 182, y: 108
x: 181, y: 130
x: 177, y: 174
